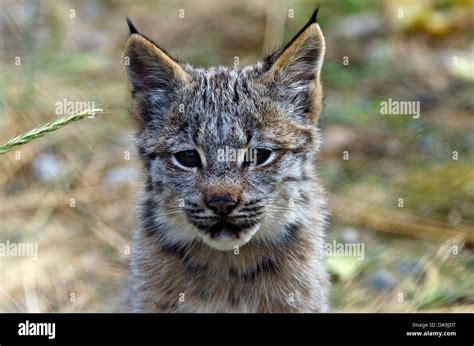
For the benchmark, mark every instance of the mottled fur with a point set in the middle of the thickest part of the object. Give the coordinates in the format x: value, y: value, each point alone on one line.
x: 271, y: 257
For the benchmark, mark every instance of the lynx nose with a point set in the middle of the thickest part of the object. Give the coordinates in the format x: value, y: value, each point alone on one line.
x: 221, y: 205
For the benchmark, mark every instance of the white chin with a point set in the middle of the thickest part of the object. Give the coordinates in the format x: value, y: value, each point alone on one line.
x: 228, y: 243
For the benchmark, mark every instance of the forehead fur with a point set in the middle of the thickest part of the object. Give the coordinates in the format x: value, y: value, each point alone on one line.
x: 275, y: 102
x: 224, y: 106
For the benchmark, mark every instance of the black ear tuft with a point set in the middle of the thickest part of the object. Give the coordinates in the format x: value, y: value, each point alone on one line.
x: 311, y: 21
x: 270, y: 59
x: 132, y: 28
x: 293, y: 72
x: 314, y: 17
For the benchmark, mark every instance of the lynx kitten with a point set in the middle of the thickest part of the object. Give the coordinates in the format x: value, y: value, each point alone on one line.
x: 232, y: 215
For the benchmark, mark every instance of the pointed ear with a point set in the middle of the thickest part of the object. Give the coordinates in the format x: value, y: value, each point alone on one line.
x: 294, y: 72
x: 153, y: 73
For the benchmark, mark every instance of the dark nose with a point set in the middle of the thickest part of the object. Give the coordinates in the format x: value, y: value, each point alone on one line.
x: 222, y: 205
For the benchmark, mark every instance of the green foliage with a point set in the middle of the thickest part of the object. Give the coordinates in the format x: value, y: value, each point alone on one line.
x: 45, y: 129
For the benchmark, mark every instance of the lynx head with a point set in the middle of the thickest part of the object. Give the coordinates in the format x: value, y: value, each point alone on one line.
x: 228, y: 152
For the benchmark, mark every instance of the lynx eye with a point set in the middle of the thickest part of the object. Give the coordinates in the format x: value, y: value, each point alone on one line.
x: 262, y: 156
x: 257, y: 157
x: 188, y: 158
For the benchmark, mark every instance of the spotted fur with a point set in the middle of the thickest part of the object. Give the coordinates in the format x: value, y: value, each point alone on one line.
x: 267, y: 254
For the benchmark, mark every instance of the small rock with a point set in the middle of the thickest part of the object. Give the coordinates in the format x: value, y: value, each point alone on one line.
x: 349, y: 236
x: 379, y: 51
x: 360, y: 26
x: 46, y: 167
x: 383, y: 280
x: 121, y: 175
x: 411, y: 268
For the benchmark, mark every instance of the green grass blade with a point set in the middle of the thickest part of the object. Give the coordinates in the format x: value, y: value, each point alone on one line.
x: 45, y: 129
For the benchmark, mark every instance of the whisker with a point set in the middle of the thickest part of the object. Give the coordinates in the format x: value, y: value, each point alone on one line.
x: 279, y: 208
x: 255, y: 208
x: 251, y: 203
x: 170, y: 212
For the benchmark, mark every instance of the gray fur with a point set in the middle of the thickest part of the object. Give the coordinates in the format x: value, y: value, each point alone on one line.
x: 177, y: 265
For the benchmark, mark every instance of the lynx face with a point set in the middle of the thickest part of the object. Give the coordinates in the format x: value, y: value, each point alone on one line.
x: 227, y: 151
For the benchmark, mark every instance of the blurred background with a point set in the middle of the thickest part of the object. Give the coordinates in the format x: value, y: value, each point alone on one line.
x: 402, y: 187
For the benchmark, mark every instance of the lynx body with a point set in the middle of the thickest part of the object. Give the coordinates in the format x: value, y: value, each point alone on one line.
x: 219, y: 231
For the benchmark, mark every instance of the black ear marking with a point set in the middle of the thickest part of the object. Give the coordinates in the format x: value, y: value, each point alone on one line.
x: 310, y: 22
x: 270, y: 59
x: 293, y: 72
x: 132, y: 28
x: 314, y: 17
